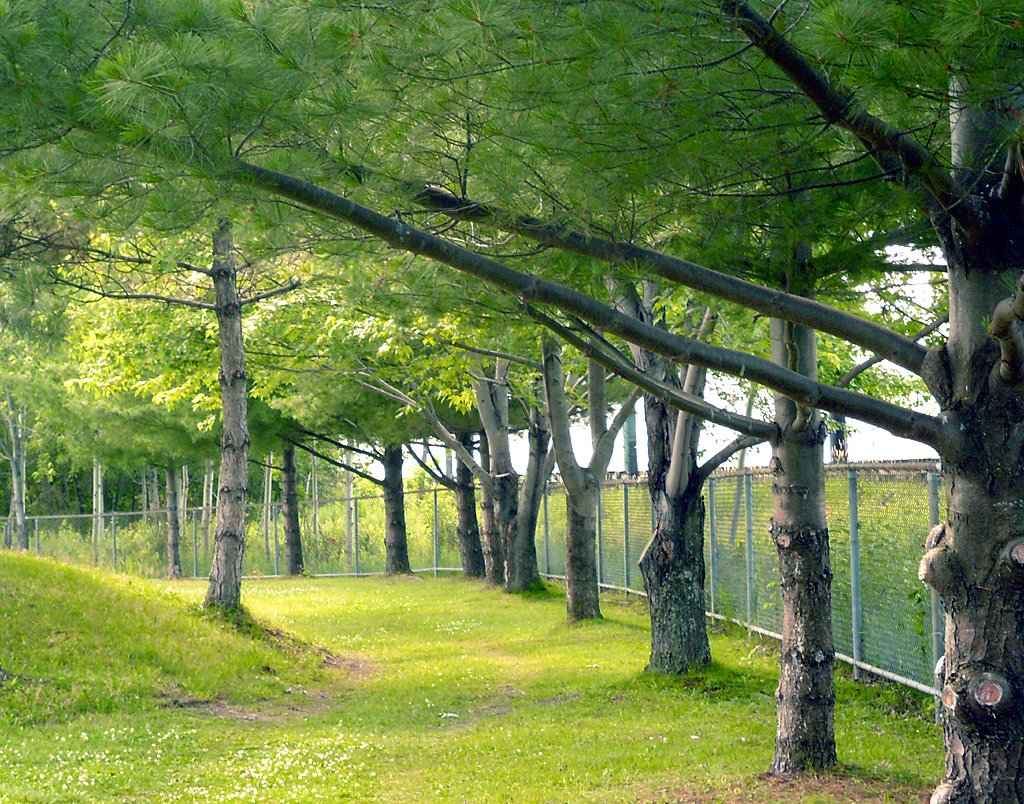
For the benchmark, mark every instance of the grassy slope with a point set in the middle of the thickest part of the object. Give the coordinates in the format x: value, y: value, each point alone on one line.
x: 444, y: 691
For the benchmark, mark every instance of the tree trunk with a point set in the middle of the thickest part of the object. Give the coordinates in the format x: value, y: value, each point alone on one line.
x: 154, y: 494
x: 16, y: 430
x: 173, y: 525
x: 396, y: 545
x: 350, y: 518
x: 207, y: 503
x: 521, y: 570
x: 672, y: 565
x: 225, y: 588
x: 268, y: 503
x: 470, y: 548
x: 581, y: 587
x: 805, y: 738
x: 975, y: 560
x: 290, y: 511
x: 494, y: 553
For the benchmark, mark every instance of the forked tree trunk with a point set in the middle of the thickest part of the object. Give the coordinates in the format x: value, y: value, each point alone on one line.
x: 470, y: 548
x: 173, y: 525
x: 494, y: 553
x: 396, y: 545
x: 805, y: 737
x: 672, y: 565
x: 290, y: 512
x: 225, y: 587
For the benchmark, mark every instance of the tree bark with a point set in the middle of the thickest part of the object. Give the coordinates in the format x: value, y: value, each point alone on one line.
x: 396, y: 545
x: 470, y: 548
x: 173, y: 525
x: 805, y: 738
x: 17, y: 458
x: 582, y: 598
x: 521, y: 570
x: 975, y: 560
x: 672, y: 565
x: 290, y: 511
x: 225, y: 589
x: 494, y: 553
x: 207, y: 503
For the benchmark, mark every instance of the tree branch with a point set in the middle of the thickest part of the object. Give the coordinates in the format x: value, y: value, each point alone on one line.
x: 669, y: 394
x: 859, y: 369
x: 335, y: 462
x: 442, y: 432
x: 840, y: 107
x: 294, y: 284
x: 558, y: 415
x: 436, y: 476
x: 106, y: 294
x: 724, y: 454
x: 767, y: 301
x: 528, y: 288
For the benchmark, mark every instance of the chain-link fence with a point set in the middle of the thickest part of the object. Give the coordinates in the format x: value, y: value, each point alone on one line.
x: 884, y: 620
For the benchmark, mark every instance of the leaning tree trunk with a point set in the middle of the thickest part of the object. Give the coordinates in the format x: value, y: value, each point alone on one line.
x: 494, y: 552
x: 396, y: 544
x: 672, y: 565
x: 805, y: 737
x: 173, y: 525
x: 521, y: 570
x: 470, y: 548
x: 290, y: 511
x: 229, y: 537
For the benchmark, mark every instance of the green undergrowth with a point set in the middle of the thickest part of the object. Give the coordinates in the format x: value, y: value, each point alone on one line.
x: 419, y: 689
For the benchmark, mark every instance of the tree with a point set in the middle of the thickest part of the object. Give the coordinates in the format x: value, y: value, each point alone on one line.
x: 913, y: 63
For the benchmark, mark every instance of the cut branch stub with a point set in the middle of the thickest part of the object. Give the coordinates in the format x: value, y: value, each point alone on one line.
x: 977, y: 696
x: 787, y: 537
x: 1006, y: 330
x: 940, y: 566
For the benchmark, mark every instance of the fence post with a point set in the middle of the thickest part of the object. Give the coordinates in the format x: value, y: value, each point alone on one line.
x: 547, y: 535
x: 855, y: 572
x: 748, y: 488
x: 37, y: 535
x: 273, y: 513
x: 600, y: 540
x: 195, y: 544
x: 713, y: 531
x: 113, y: 537
x: 355, y: 532
x: 936, y: 603
x: 625, y: 534
x: 437, y: 537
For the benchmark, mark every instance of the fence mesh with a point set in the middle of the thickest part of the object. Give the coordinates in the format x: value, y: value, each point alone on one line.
x: 895, y: 506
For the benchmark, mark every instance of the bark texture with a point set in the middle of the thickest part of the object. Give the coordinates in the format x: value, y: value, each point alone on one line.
x: 173, y: 525
x: 470, y: 548
x: 975, y: 560
x: 582, y: 599
x: 290, y: 510
x: 16, y: 456
x: 225, y: 589
x: 672, y: 565
x: 805, y: 738
x: 396, y: 545
x: 494, y: 552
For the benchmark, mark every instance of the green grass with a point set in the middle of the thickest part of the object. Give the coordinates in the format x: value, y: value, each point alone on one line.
x: 432, y: 690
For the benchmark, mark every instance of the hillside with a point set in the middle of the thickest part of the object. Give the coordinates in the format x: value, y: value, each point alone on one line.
x: 74, y: 641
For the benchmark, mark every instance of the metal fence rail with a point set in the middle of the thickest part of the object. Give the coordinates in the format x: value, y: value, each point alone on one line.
x: 884, y: 620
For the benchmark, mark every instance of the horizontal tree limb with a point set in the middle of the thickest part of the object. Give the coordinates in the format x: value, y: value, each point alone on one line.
x: 528, y: 288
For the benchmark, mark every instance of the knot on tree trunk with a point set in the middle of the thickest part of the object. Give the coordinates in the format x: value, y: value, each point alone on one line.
x: 978, y: 696
x: 788, y: 537
x: 940, y: 566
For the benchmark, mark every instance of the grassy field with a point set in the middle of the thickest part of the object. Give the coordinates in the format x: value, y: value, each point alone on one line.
x: 398, y: 690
